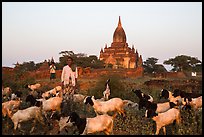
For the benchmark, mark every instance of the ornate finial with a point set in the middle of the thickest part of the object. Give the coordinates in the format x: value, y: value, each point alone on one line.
x: 140, y: 62
x: 133, y: 46
x: 101, y: 50
x: 136, y: 51
x: 17, y: 63
x: 119, y: 23
x: 141, y: 56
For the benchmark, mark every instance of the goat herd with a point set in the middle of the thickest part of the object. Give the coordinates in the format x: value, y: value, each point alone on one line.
x: 57, y: 98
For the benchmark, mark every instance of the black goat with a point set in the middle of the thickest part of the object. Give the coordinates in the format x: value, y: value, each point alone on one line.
x: 142, y: 98
x: 33, y: 101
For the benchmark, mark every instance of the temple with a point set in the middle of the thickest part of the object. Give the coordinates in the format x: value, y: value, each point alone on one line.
x: 119, y: 54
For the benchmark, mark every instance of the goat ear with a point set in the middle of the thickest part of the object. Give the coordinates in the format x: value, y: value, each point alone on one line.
x: 92, y: 97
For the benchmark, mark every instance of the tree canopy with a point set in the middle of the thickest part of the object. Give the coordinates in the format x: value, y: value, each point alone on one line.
x: 80, y: 59
x: 150, y: 66
x: 184, y: 63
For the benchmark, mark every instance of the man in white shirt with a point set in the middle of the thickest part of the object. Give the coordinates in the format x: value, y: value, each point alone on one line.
x: 69, y: 75
x: 52, y: 71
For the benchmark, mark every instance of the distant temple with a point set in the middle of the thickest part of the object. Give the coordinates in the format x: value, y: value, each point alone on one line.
x: 17, y: 64
x: 119, y: 55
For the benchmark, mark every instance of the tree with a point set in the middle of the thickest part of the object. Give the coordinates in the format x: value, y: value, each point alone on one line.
x: 93, y: 57
x: 67, y: 53
x: 80, y: 59
x: 27, y: 66
x: 149, y: 64
x: 81, y: 55
x: 183, y: 63
x: 198, y: 67
x: 159, y: 68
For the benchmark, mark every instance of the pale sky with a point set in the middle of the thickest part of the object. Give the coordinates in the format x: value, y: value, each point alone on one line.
x: 35, y: 31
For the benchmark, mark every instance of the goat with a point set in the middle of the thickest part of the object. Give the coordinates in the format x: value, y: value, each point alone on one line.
x: 101, y: 99
x: 58, y: 88
x: 78, y: 98
x: 16, y: 94
x: 141, y: 95
x: 47, y: 94
x: 35, y: 94
x: 158, y: 107
x: 26, y: 115
x: 33, y: 101
x: 13, y: 96
x: 170, y: 96
x: 100, y: 123
x: 10, y: 106
x: 164, y: 119
x: 183, y: 94
x: 195, y: 103
x: 35, y: 86
x: 6, y: 91
x: 129, y: 103
x: 165, y: 94
x: 63, y: 123
x: 114, y: 104
x: 106, y: 93
x: 52, y: 92
x: 52, y: 104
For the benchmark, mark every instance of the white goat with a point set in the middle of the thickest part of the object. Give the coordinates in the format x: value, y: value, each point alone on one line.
x: 106, y: 93
x: 114, y: 104
x: 52, y: 104
x: 26, y: 115
x: 52, y: 92
x: 35, y: 86
x: 13, y: 96
x: 160, y: 107
x: 165, y: 118
x: 100, y: 123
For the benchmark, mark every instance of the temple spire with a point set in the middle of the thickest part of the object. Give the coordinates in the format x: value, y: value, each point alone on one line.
x: 119, y: 23
x: 101, y: 50
x: 133, y: 46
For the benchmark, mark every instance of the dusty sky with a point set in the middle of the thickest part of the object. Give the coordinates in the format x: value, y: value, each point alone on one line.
x: 40, y: 30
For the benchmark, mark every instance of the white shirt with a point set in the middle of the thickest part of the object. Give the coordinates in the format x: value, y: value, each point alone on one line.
x: 67, y: 73
x: 52, y: 69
